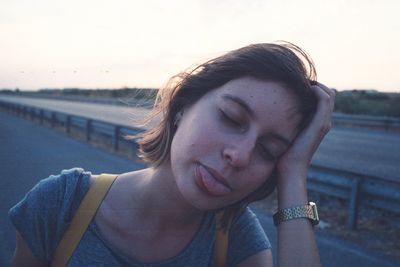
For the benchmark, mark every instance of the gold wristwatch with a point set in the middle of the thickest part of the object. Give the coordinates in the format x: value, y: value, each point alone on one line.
x: 308, y: 211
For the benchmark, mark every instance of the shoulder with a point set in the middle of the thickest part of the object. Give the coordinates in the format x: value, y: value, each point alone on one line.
x: 55, y: 188
x: 43, y: 214
x: 246, y: 238
x: 66, y: 180
x: 247, y: 221
x: 61, y: 183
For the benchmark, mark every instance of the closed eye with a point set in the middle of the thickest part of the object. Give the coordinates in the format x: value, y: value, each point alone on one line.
x: 265, y: 153
x: 234, y: 123
x: 229, y: 120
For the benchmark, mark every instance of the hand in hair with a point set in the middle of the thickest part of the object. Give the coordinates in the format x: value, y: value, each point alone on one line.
x: 295, y: 162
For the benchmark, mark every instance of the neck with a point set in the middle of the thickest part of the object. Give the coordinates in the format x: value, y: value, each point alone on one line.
x: 158, y: 201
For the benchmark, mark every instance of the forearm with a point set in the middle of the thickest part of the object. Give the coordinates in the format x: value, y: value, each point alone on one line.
x: 296, y: 238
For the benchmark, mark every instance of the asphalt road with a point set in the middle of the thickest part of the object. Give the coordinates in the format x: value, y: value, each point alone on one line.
x: 29, y: 152
x: 368, y: 152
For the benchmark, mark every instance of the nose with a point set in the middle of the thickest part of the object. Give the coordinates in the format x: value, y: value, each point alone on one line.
x: 238, y: 153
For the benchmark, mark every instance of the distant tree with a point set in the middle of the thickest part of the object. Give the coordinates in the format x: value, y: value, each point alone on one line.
x: 368, y: 103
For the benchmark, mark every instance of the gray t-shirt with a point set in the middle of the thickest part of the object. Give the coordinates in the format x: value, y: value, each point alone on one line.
x: 43, y: 215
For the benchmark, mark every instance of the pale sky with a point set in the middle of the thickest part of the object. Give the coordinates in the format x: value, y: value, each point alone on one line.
x: 118, y: 43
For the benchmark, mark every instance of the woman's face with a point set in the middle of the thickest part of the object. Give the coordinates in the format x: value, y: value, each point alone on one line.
x: 227, y: 143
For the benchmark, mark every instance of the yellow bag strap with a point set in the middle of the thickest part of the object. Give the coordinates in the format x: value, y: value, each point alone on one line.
x: 82, y: 218
x: 221, y: 242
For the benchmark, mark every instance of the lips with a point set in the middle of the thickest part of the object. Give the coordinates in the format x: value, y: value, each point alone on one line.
x: 211, y: 182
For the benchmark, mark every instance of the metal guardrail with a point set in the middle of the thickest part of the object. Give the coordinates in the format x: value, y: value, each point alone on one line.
x: 356, y: 189
x: 89, y: 126
x: 378, y: 122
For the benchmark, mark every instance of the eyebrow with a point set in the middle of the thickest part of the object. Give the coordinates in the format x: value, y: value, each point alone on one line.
x: 239, y: 101
x: 246, y: 107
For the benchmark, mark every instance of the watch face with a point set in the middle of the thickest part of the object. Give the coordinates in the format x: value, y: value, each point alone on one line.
x: 315, y: 219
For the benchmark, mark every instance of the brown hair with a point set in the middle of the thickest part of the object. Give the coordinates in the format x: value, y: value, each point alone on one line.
x: 284, y: 63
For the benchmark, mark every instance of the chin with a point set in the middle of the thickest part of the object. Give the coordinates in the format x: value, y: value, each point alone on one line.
x: 203, y: 202
x: 207, y: 206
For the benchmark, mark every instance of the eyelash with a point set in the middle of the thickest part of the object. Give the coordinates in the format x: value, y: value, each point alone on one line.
x: 266, y: 154
x: 232, y: 122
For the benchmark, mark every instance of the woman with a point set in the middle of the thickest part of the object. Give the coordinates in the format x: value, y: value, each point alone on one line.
x: 230, y: 131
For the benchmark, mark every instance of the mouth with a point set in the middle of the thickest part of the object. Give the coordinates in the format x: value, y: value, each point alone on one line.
x: 211, y: 182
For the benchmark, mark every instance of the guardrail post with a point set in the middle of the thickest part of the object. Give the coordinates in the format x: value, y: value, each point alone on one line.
x: 41, y: 114
x: 386, y: 124
x: 88, y: 129
x: 353, y: 205
x: 135, y: 147
x: 116, y: 138
x: 53, y: 119
x: 32, y: 113
x: 68, y: 124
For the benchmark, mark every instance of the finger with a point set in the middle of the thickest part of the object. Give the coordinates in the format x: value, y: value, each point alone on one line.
x: 322, y: 119
x: 323, y: 94
x: 330, y: 92
x: 326, y: 89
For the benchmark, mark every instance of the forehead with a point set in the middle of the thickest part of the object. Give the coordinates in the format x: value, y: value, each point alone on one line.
x: 273, y: 105
x: 261, y: 95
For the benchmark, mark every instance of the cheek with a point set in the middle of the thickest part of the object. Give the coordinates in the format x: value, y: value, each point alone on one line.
x: 200, y: 136
x: 258, y: 176
x: 192, y: 141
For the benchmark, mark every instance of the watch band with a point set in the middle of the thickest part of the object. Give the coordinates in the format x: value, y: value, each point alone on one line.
x: 308, y: 211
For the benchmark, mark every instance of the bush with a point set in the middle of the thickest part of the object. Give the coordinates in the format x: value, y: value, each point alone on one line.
x: 378, y: 104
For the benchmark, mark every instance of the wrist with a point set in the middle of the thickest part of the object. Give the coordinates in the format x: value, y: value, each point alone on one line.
x: 292, y: 193
x: 286, y: 167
